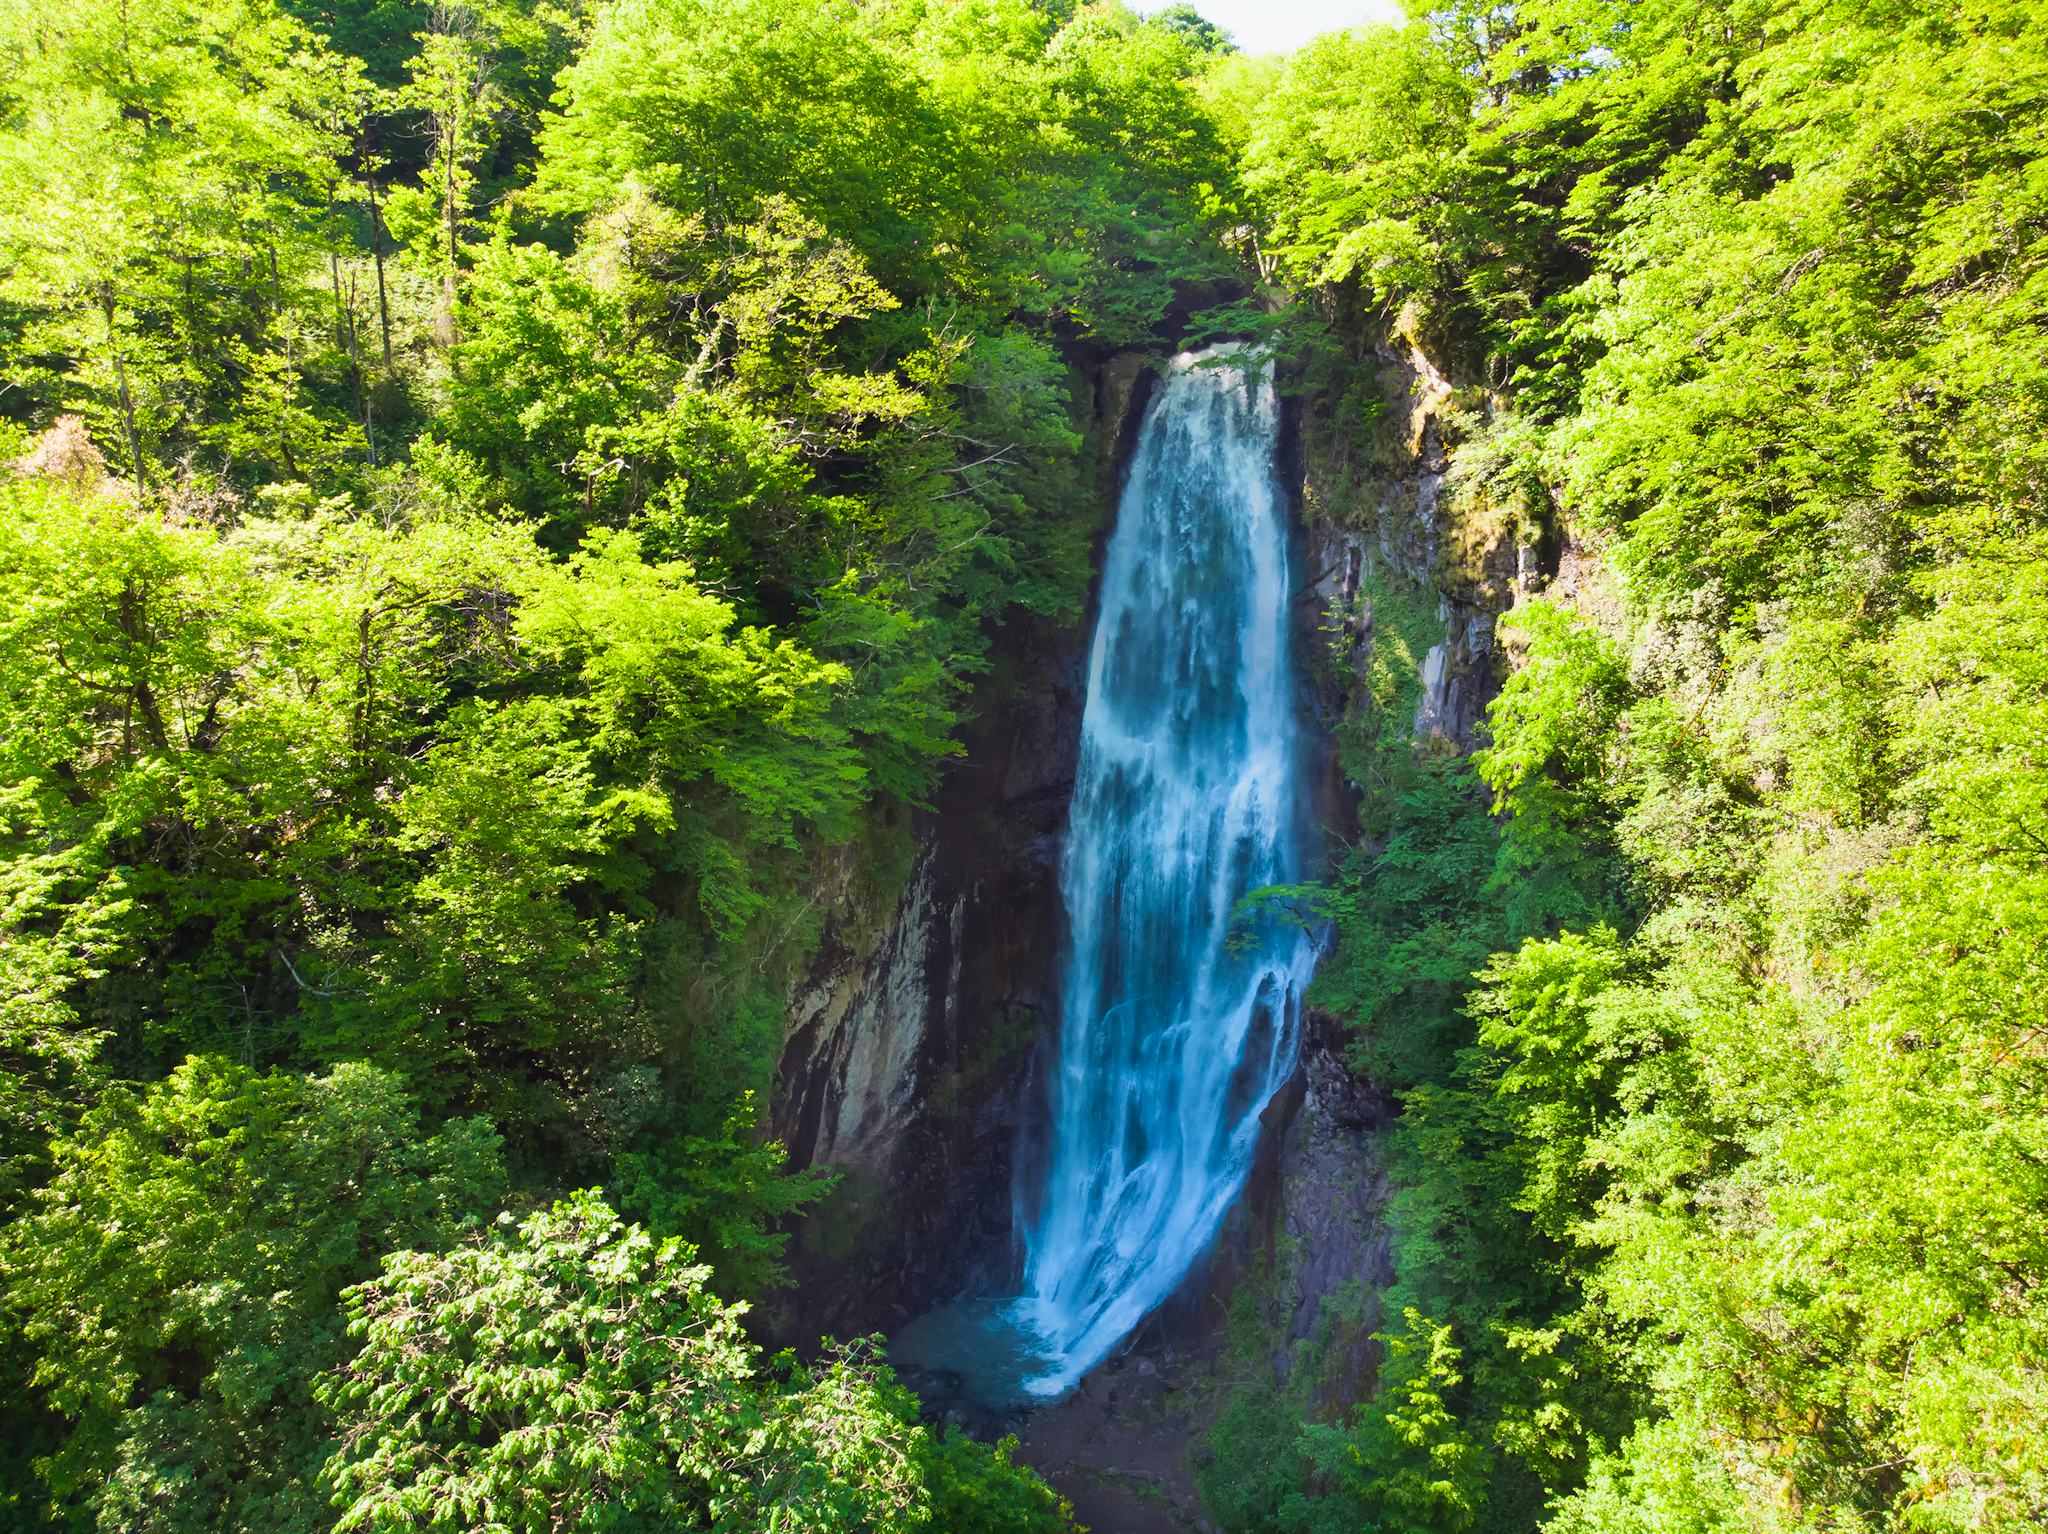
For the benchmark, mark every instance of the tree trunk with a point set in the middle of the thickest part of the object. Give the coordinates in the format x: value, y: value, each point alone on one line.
x: 451, y: 208
x: 121, y: 384
x: 131, y: 615
x: 377, y: 250
x: 345, y: 332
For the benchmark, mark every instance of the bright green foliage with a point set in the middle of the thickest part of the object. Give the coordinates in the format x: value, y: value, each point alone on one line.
x: 174, y: 695
x: 726, y: 1194
x: 974, y: 150
x: 575, y: 1374
x: 1725, y: 1173
x: 178, y: 1279
x: 449, y: 82
x: 714, y: 109
x: 465, y: 567
x: 1412, y: 1467
x: 1357, y: 153
x: 973, y: 1486
x: 167, y: 180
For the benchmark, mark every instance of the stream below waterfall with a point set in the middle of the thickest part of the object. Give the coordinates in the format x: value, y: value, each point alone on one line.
x: 1179, y: 1004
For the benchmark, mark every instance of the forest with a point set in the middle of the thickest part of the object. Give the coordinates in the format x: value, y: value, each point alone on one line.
x: 498, y: 498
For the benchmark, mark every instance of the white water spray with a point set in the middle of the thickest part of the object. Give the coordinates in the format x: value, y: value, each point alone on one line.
x: 1178, y: 1025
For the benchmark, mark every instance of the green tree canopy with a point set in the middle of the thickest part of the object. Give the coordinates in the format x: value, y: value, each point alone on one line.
x: 574, y: 1373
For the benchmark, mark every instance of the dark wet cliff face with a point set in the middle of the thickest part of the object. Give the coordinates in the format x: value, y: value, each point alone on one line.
x: 908, y: 1067
x: 911, y: 1047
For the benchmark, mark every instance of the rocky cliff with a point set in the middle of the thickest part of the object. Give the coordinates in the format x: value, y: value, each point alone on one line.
x: 1418, y: 537
x: 912, y: 1042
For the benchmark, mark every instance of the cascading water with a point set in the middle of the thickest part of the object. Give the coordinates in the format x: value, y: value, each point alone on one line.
x: 1179, y: 1012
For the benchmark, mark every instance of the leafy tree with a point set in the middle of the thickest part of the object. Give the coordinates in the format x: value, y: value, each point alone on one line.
x: 725, y: 1194
x: 714, y: 109
x: 167, y: 173
x: 1202, y: 34
x: 1426, y: 1471
x: 1355, y: 155
x: 381, y: 33
x: 450, y: 82
x: 575, y: 1373
x: 178, y: 1278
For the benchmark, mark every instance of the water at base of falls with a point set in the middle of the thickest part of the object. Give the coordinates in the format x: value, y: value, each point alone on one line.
x: 1179, y: 1008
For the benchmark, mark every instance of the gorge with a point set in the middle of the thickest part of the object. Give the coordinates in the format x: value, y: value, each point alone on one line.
x: 1179, y: 996
x: 892, y: 766
x: 925, y: 1071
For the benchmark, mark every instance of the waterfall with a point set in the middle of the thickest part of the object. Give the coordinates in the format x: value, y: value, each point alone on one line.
x: 1179, y: 1013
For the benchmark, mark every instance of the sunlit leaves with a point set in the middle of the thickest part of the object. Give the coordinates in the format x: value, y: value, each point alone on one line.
x: 179, y: 1277
x: 575, y: 1370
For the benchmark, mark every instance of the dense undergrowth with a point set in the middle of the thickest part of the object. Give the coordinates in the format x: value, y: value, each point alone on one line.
x: 1712, y: 987
x: 501, y: 490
